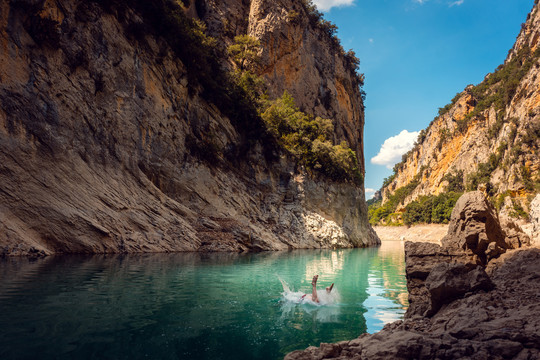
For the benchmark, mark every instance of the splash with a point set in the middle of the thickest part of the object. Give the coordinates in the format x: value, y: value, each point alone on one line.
x: 299, y: 297
x: 325, y: 311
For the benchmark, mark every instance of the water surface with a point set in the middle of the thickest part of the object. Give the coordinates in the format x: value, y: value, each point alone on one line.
x: 193, y: 306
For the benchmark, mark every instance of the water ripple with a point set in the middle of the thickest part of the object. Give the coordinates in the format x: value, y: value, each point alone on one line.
x: 197, y: 306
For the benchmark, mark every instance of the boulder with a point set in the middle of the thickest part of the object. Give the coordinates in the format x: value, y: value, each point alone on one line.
x: 515, y: 236
x: 420, y: 259
x: 474, y: 228
x: 448, y: 282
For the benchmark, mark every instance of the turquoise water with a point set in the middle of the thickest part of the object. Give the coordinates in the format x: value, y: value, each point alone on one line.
x: 194, y: 306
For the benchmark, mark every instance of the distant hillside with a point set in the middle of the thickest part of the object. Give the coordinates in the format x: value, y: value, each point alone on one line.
x: 488, y: 137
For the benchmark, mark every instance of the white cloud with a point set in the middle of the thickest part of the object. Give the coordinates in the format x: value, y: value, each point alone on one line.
x: 394, y: 147
x: 370, y: 190
x: 450, y: 3
x: 325, y: 5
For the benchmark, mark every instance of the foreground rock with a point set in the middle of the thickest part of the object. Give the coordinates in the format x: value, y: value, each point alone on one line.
x: 459, y: 306
x: 501, y: 323
x: 475, y: 229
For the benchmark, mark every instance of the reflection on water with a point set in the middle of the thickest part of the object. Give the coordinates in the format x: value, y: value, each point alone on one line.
x: 196, y: 306
x: 329, y: 266
x: 388, y: 297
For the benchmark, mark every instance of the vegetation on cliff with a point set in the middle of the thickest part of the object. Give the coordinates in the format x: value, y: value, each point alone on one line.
x: 489, y: 107
x: 304, y: 136
x: 240, y: 94
x: 430, y: 209
x: 307, y: 138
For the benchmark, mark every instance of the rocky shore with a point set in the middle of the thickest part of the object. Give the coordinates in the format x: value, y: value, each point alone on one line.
x: 476, y: 296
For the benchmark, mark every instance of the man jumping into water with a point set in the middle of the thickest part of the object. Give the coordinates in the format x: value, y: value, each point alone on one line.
x: 314, y: 296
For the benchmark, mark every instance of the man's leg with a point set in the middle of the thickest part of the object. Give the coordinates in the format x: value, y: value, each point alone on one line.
x: 314, y: 296
x: 328, y: 289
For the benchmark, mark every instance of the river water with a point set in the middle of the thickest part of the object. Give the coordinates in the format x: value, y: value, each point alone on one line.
x: 195, y: 306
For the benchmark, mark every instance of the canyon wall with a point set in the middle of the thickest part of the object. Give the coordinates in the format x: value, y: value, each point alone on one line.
x: 488, y: 136
x: 106, y: 144
x: 297, y: 55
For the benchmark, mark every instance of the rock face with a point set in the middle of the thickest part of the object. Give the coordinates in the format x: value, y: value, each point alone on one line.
x: 105, y: 147
x: 297, y: 55
x: 535, y: 220
x: 447, y: 282
x: 480, y: 138
x: 458, y: 309
x: 515, y: 235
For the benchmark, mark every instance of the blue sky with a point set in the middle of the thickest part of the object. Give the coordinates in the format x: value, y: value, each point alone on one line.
x: 416, y: 55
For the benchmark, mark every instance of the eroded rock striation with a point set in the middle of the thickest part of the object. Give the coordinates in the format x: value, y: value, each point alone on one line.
x: 459, y: 309
x: 109, y: 143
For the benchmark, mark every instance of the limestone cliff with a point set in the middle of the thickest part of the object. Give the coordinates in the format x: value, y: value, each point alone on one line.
x: 298, y: 54
x: 489, y: 135
x: 109, y: 143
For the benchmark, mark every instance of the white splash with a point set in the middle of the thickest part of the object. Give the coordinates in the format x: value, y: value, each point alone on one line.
x: 326, y: 310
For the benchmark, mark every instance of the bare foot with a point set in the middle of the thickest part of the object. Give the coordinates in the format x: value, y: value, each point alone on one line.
x: 328, y: 289
x: 314, y: 282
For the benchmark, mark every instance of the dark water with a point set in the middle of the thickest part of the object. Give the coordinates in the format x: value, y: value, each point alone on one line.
x: 193, y: 306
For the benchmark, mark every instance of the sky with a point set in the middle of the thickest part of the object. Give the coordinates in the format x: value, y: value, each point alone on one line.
x: 416, y: 55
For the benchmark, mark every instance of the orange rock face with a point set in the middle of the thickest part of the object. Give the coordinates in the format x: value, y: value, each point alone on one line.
x: 463, y: 138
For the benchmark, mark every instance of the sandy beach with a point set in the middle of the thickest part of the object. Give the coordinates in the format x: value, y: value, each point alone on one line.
x: 418, y: 233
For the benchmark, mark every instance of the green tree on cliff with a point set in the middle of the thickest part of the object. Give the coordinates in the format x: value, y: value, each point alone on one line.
x: 245, y: 54
x: 245, y: 51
